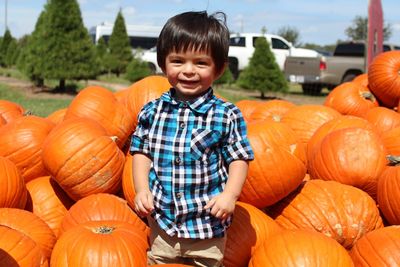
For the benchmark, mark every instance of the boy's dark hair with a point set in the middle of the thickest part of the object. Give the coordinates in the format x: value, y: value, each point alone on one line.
x: 198, y: 31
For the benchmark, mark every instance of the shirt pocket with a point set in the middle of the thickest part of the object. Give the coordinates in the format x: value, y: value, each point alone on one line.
x: 204, y: 144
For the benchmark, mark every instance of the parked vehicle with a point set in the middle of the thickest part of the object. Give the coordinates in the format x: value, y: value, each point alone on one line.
x: 242, y: 48
x: 347, y: 61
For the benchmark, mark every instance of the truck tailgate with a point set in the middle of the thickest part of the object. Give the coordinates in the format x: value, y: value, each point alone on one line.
x: 302, y: 69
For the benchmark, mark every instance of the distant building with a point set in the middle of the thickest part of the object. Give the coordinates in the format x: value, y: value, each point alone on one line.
x: 141, y: 36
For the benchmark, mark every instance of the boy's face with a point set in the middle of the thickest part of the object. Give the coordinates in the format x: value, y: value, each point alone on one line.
x: 190, y: 72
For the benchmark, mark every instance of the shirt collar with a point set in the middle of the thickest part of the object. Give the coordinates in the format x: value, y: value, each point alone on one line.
x: 200, y: 104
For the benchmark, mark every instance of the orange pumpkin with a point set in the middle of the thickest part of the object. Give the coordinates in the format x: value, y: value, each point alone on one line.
x: 388, y: 191
x: 351, y: 98
x: 352, y: 156
x: 306, y: 119
x: 101, y: 207
x: 10, y: 110
x: 383, y: 118
x: 21, y: 142
x: 247, y: 107
x: 361, y: 79
x: 128, y: 187
x: 47, y: 200
x: 57, y: 116
x: 300, y: 248
x: 144, y: 91
x: 30, y: 225
x: 250, y: 229
x: 17, y: 249
x: 278, y: 166
x: 339, y: 211
x: 384, y: 78
x: 109, y: 243
x: 100, y: 104
x: 378, y: 248
x: 342, y: 122
x: 82, y: 158
x: 13, y: 193
x: 271, y: 110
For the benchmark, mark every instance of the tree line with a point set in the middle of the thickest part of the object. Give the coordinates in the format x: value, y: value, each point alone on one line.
x: 60, y: 48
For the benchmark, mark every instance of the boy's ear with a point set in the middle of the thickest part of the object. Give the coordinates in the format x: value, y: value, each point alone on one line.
x: 219, y: 74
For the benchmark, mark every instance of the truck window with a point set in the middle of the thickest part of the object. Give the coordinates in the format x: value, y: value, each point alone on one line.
x: 278, y: 44
x: 237, y: 41
x: 350, y: 50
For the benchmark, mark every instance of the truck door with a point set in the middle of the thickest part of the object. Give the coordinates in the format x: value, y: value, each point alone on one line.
x: 281, y: 51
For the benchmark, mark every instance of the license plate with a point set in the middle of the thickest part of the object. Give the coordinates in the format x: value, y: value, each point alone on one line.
x: 296, y: 78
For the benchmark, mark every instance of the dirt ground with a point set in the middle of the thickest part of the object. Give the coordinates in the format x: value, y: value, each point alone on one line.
x: 30, y: 90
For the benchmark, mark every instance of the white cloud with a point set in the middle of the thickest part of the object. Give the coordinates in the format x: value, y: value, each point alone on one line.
x: 128, y: 11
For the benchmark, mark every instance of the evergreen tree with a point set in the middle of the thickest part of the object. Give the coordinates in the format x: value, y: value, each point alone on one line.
x: 101, y: 53
x: 12, y: 53
x: 137, y: 69
x: 5, y: 42
x: 119, y: 46
x: 30, y: 60
x: 263, y: 73
x: 70, y: 53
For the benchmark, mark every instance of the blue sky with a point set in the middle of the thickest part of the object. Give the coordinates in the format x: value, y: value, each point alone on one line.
x: 320, y: 22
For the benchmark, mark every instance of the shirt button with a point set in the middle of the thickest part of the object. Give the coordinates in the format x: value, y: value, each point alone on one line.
x: 178, y: 160
x: 178, y: 195
x: 179, y: 225
x: 184, y: 105
x: 182, y: 125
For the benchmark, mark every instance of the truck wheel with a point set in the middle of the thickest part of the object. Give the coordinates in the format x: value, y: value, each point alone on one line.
x: 152, y: 67
x: 234, y: 67
x: 348, y: 77
x: 311, y: 89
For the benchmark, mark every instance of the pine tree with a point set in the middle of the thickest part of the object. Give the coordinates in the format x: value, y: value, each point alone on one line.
x: 5, y: 42
x: 70, y: 53
x: 31, y: 56
x: 119, y: 46
x: 101, y: 54
x: 263, y: 73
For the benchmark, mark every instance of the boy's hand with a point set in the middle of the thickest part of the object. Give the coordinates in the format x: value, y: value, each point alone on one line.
x: 144, y: 203
x: 222, y: 206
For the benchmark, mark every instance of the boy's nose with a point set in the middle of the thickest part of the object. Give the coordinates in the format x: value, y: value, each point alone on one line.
x: 188, y: 68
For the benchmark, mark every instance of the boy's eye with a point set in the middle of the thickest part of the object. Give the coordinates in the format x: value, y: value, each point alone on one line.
x: 176, y: 61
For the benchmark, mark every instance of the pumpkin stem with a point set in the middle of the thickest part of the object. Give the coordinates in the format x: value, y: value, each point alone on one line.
x: 368, y: 95
x: 105, y: 230
x: 27, y: 113
x: 393, y: 160
x: 114, y: 138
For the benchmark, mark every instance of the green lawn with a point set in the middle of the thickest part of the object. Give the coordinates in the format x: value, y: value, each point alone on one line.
x: 37, y: 106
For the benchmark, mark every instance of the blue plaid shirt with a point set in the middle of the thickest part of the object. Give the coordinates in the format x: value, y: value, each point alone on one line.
x: 191, y: 145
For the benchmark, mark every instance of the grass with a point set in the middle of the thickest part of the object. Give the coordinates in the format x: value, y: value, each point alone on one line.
x: 41, y: 107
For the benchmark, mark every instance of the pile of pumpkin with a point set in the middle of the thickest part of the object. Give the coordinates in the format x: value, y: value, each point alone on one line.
x: 323, y: 189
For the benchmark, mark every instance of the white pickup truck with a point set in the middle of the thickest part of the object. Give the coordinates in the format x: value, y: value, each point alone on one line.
x: 242, y: 48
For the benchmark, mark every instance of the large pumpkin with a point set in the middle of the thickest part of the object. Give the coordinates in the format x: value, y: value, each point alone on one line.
x: 351, y: 98
x: 128, y: 186
x: 47, y: 200
x: 378, y: 248
x: 339, y: 211
x: 83, y: 159
x: 30, y: 225
x: 101, y: 243
x: 18, y: 249
x: 384, y: 78
x: 300, y: 248
x: 101, y: 207
x: 100, y: 104
x: 306, y: 119
x: 389, y: 191
x: 271, y: 110
x: 13, y: 193
x: 10, y: 110
x: 353, y: 156
x: 144, y: 91
x: 384, y: 119
x: 250, y: 229
x: 21, y: 142
x: 278, y: 166
x: 342, y: 122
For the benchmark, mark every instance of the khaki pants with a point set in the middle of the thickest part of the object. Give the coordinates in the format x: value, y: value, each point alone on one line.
x: 171, y: 249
